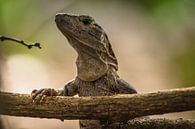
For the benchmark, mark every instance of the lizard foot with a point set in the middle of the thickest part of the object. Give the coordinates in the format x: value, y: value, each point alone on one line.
x: 38, y: 96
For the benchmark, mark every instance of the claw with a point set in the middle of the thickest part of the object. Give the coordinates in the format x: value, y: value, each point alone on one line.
x: 34, y: 93
x: 43, y: 98
x: 38, y: 96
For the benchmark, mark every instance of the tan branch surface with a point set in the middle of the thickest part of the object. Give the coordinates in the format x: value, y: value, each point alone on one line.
x: 118, y: 108
x: 155, y: 124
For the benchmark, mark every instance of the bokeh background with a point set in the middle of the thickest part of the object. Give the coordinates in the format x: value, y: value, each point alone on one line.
x: 154, y: 41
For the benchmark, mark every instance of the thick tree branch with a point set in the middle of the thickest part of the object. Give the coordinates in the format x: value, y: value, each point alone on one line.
x: 120, y: 107
x: 29, y: 46
x: 155, y: 124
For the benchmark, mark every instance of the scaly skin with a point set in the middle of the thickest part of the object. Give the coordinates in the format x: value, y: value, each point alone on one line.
x: 96, y: 65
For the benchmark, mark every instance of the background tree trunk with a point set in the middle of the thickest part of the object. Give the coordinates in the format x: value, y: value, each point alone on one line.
x: 1, y: 83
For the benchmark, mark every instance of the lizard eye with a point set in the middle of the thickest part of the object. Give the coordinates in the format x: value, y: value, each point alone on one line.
x: 87, y: 21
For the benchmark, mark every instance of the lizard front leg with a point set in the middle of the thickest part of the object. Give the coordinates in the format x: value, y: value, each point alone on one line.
x: 70, y: 89
x: 124, y: 87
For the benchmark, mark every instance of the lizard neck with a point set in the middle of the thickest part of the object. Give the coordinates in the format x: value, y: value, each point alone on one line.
x: 90, y: 68
x: 90, y: 65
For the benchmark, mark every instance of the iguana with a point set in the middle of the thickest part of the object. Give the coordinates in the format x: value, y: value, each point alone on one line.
x: 96, y: 64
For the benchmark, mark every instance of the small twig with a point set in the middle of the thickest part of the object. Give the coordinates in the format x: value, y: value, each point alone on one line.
x: 29, y: 46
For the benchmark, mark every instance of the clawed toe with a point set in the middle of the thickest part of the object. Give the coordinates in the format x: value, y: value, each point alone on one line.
x: 38, y: 96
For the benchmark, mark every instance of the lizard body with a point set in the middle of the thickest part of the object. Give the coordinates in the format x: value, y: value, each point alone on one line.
x: 96, y: 64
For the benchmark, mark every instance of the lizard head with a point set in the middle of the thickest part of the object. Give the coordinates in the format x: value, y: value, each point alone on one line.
x: 82, y: 28
x: 87, y: 38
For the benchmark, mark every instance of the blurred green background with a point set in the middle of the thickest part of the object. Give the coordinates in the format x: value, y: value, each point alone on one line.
x: 154, y: 41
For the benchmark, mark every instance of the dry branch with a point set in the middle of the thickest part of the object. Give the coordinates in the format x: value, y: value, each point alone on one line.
x: 119, y: 107
x: 29, y: 46
x: 155, y: 124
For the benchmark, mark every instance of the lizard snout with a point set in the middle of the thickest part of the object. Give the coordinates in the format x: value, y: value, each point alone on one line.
x: 59, y: 17
x: 63, y: 18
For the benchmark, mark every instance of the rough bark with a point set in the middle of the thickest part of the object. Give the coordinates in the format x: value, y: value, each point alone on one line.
x: 117, y: 108
x: 155, y: 124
